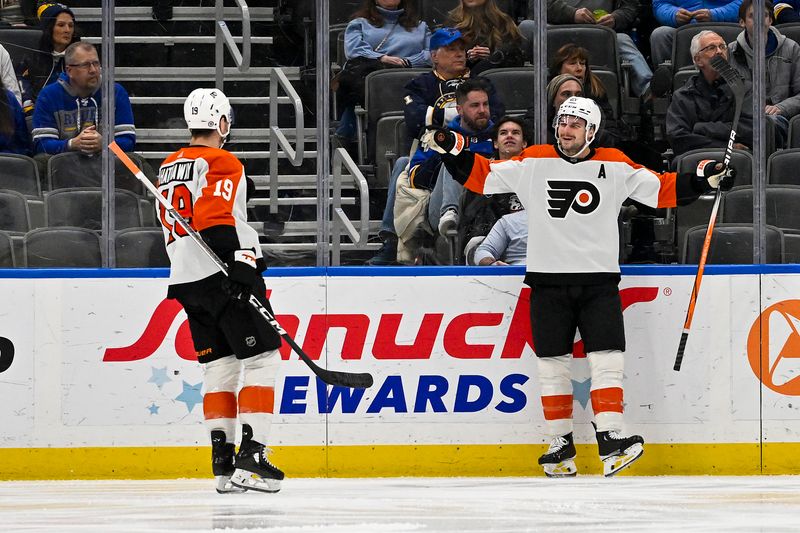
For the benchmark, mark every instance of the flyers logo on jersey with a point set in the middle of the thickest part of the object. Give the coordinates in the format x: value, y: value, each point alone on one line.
x: 580, y: 196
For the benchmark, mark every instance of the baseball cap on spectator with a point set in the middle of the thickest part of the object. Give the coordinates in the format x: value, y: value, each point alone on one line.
x: 443, y: 37
x: 50, y: 10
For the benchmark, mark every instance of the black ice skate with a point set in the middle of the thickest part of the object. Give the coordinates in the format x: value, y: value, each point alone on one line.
x: 253, y: 470
x: 222, y: 453
x: 618, y: 452
x: 559, y: 461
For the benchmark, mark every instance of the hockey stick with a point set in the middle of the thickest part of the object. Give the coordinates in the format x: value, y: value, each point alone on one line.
x: 331, y: 377
x: 736, y: 85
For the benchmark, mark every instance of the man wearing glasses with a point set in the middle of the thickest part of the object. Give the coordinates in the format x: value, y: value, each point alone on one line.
x: 67, y: 113
x: 701, y: 112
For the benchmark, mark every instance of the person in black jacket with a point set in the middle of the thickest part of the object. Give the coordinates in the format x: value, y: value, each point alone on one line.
x: 701, y: 112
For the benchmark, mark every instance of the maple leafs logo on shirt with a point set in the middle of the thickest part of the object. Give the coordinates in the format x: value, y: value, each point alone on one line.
x: 580, y: 196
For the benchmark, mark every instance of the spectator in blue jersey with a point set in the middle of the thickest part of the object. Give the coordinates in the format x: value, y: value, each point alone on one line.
x: 14, y: 138
x: 67, y: 113
x: 427, y: 173
x: 430, y: 98
x: 382, y: 34
x: 507, y: 242
x: 782, y: 65
x: 671, y: 14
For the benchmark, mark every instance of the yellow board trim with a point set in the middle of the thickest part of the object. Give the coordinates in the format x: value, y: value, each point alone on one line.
x: 392, y: 461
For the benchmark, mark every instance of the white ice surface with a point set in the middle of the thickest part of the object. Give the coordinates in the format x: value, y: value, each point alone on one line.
x: 586, y: 503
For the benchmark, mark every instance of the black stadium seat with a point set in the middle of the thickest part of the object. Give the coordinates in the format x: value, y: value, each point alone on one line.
x: 82, y: 207
x: 14, y: 215
x: 19, y: 173
x: 514, y: 86
x: 782, y: 203
x: 141, y: 248
x: 6, y: 251
x: 20, y: 42
x: 62, y: 247
x: 783, y: 167
x: 73, y: 169
x: 731, y: 244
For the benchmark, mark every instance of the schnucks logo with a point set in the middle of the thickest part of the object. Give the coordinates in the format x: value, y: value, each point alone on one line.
x: 773, y: 347
x: 455, y: 333
x: 580, y: 196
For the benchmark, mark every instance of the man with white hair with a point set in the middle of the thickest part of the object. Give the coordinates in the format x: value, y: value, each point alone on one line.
x: 700, y: 114
x: 572, y: 193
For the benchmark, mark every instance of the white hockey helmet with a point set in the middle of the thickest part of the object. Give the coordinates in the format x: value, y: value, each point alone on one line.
x: 204, y: 109
x: 585, y: 108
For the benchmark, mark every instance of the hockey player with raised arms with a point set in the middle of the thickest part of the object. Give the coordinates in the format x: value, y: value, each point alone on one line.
x: 208, y: 187
x: 572, y: 193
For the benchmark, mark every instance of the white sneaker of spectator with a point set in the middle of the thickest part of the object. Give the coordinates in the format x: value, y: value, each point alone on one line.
x: 448, y: 223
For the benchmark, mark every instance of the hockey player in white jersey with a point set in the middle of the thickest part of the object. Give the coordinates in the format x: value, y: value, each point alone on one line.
x: 572, y: 193
x: 208, y: 187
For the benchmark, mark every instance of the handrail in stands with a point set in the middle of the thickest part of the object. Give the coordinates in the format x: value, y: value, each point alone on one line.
x: 277, y: 137
x: 223, y: 36
x: 340, y: 220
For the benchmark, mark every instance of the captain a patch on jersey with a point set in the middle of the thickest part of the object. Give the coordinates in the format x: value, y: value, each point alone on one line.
x: 579, y: 196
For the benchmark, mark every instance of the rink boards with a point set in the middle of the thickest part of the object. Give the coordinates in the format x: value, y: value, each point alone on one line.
x: 98, y: 376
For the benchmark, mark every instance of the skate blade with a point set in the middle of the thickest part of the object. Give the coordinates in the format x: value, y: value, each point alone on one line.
x: 614, y: 464
x: 563, y: 469
x: 224, y: 486
x: 251, y: 481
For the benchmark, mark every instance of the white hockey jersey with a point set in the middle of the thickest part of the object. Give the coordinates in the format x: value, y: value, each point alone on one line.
x: 572, y: 206
x: 206, y: 186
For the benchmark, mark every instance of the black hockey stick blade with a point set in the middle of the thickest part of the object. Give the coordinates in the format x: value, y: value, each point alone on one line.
x: 332, y: 377
x: 729, y: 74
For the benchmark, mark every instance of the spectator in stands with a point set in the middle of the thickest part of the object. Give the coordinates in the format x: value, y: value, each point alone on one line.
x: 701, y: 111
x: 788, y: 11
x: 671, y: 14
x: 619, y: 15
x: 427, y: 173
x: 561, y: 87
x: 492, y: 37
x: 573, y: 59
x: 7, y: 75
x: 479, y: 212
x: 67, y: 113
x: 43, y: 66
x: 430, y: 101
x: 382, y: 34
x: 507, y: 243
x: 431, y: 97
x: 782, y: 64
x: 14, y: 138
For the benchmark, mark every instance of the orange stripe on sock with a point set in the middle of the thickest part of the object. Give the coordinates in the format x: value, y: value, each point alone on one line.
x: 219, y: 405
x: 557, y: 407
x: 607, y: 400
x: 256, y: 399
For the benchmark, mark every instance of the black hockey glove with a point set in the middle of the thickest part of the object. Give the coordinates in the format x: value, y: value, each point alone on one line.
x: 444, y: 141
x: 242, y: 275
x: 716, y: 174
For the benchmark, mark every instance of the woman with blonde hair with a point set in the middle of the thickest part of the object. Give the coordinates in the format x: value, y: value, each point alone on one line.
x: 492, y: 38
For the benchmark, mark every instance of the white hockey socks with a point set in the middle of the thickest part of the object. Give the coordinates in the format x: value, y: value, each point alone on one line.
x: 606, y: 368
x: 221, y: 379
x: 556, y: 386
x: 257, y: 396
